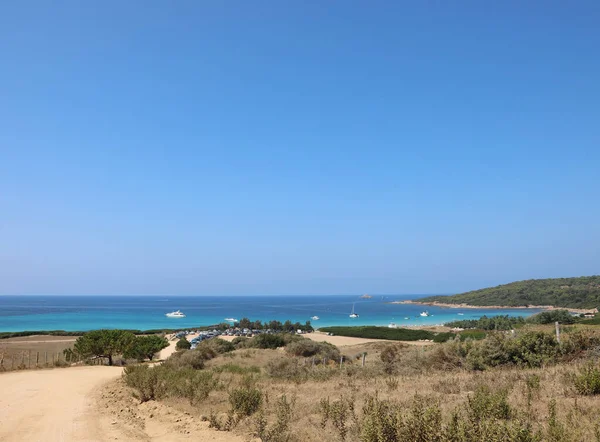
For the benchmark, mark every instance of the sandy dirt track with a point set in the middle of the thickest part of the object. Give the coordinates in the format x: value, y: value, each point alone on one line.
x: 90, y: 404
x: 52, y: 405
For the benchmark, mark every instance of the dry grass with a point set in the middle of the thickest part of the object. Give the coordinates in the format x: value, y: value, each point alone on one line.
x: 33, y: 351
x: 418, y: 387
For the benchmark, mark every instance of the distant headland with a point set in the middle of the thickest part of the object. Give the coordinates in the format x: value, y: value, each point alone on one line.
x: 581, y: 294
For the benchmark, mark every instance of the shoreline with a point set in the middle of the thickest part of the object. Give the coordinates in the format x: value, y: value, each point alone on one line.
x: 496, y: 307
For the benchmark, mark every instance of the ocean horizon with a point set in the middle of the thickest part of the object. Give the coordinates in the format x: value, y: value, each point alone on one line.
x: 147, y: 312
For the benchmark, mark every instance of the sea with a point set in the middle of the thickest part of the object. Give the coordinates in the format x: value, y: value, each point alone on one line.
x: 83, y: 313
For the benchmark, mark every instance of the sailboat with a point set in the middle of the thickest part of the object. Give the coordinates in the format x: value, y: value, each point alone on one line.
x: 353, y: 315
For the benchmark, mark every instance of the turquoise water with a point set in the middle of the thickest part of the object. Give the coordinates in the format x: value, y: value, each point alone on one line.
x: 80, y: 313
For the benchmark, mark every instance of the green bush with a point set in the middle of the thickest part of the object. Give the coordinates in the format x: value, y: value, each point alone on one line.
x: 280, y: 430
x: 237, y: 369
x: 217, y: 345
x: 551, y: 316
x: 194, y: 385
x: 245, y: 401
x: 372, y: 332
x: 240, y: 342
x: 183, y: 344
x: 588, y: 381
x: 267, y: 341
x: 489, y: 404
x: 501, y: 322
x: 308, y: 347
x: 443, y: 337
x: 186, y: 359
x: 148, y: 383
x: 475, y: 335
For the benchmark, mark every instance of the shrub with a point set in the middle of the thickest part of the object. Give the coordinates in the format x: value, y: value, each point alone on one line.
x: 267, y: 341
x: 389, y: 357
x: 308, y: 347
x: 194, y: 385
x: 474, y: 335
x: 501, y: 322
x: 240, y: 342
x: 186, y: 359
x: 237, y: 369
x: 372, y: 332
x: 380, y: 421
x: 588, y: 381
x: 148, y: 383
x: 280, y: 430
x: 488, y: 404
x: 549, y: 317
x: 217, y: 345
x: 443, y: 337
x: 245, y: 401
x: 183, y: 344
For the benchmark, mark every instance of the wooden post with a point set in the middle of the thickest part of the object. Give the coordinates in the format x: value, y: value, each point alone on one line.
x: 45, y: 358
x: 557, y: 332
x: 341, y: 362
x: 363, y: 359
x: 29, y: 358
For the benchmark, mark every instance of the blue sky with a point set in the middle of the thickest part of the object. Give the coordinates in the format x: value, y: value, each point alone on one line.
x: 272, y: 147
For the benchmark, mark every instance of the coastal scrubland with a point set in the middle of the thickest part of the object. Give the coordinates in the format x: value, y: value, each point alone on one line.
x: 582, y: 292
x: 515, y: 386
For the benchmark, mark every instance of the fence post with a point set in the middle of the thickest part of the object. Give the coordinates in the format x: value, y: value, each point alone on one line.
x: 557, y: 332
x: 363, y: 359
x: 37, y: 358
x: 341, y: 362
x: 22, y: 358
x: 29, y: 359
x: 45, y: 358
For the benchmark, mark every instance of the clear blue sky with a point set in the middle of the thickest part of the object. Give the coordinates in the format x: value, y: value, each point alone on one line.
x: 258, y: 147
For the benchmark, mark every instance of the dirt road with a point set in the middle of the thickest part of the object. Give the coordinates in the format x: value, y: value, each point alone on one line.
x: 90, y: 404
x: 52, y: 405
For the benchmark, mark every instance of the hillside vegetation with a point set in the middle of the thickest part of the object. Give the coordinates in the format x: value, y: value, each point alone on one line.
x: 518, y: 387
x: 582, y: 292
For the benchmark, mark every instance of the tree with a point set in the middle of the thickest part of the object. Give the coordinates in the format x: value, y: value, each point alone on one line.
x: 104, y: 343
x: 145, y: 347
x: 183, y: 344
x: 245, y: 323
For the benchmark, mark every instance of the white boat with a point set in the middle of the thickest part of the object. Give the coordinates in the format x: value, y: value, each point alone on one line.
x: 392, y: 325
x: 175, y: 314
x: 353, y: 315
x: 460, y: 314
x: 315, y: 318
x: 425, y: 313
x: 231, y: 320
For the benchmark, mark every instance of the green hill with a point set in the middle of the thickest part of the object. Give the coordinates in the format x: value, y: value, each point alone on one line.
x: 582, y: 292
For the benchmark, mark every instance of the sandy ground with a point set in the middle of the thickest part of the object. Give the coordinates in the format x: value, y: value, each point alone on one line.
x: 52, y: 405
x: 342, y: 341
x: 89, y: 404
